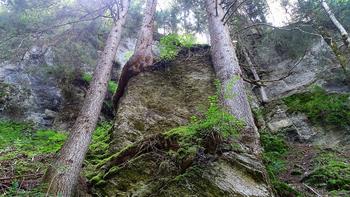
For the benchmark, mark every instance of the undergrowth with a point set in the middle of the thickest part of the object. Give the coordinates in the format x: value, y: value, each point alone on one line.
x: 321, y: 107
x: 98, y: 149
x: 26, y: 152
x: 331, y: 172
x: 275, y: 152
x: 24, y: 156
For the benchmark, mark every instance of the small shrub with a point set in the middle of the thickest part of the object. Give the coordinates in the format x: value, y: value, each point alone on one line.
x: 87, y: 77
x: 275, y: 151
x: 216, y: 123
x: 321, y: 107
x: 171, y: 44
x: 112, y: 87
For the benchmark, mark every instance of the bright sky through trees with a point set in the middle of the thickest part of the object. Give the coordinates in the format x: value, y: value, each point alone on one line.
x: 277, y: 16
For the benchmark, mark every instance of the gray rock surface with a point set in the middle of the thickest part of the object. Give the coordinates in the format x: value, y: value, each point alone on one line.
x: 156, y: 102
x: 318, y: 67
x: 30, y: 90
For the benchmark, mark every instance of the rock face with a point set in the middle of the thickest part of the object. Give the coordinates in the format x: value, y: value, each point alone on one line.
x: 307, y: 141
x: 154, y: 103
x: 318, y: 67
x: 30, y: 90
x: 158, y: 101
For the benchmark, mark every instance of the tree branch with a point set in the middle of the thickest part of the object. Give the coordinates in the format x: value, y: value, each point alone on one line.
x: 289, y: 73
x: 281, y: 28
x: 228, y: 10
x: 235, y: 10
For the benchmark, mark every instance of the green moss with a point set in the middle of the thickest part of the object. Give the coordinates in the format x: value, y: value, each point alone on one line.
x: 16, y: 190
x: 97, y: 178
x: 11, y: 131
x: 25, y: 140
x: 338, y: 193
x: 331, y: 171
x: 342, y: 58
x: 275, y: 151
x: 111, y: 172
x: 28, y: 151
x: 98, y: 152
x: 100, y: 143
x: 321, y: 107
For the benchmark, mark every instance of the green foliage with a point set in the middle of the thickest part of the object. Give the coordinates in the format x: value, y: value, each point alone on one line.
x: 21, y: 143
x: 11, y: 131
x: 128, y: 55
x: 25, y: 141
x: 87, y: 77
x: 98, y: 151
x: 112, y: 85
x: 100, y: 142
x: 275, y: 151
x: 216, y: 122
x: 27, y: 151
x: 321, y: 107
x: 313, y: 11
x: 331, y: 172
x: 171, y: 44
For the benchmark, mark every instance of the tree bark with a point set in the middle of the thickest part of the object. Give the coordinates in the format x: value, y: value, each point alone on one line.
x: 229, y: 73
x: 341, y: 29
x: 142, y: 58
x: 262, y: 90
x: 61, y: 177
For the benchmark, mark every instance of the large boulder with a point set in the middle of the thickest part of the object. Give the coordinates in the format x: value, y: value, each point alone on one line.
x: 154, y: 103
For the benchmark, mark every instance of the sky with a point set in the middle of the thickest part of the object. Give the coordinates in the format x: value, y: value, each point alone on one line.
x: 277, y: 16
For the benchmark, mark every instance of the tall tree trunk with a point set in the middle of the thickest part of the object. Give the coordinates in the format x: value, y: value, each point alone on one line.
x: 143, y: 56
x: 229, y: 73
x: 341, y: 29
x: 62, y: 176
x: 262, y: 90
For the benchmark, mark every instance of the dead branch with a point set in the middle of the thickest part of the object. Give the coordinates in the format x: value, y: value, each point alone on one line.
x: 312, y: 190
x: 289, y: 73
